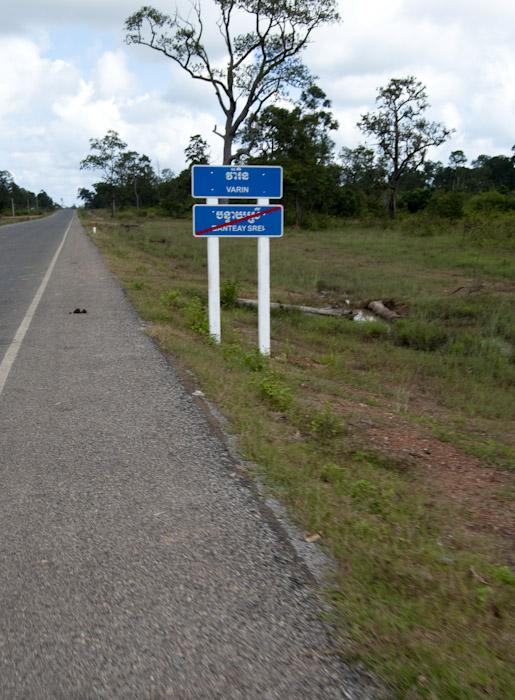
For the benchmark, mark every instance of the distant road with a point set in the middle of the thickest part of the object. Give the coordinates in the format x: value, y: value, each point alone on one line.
x: 134, y: 563
x: 26, y: 250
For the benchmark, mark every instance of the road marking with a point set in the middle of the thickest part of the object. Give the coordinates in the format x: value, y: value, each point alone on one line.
x: 12, y: 350
x: 237, y: 221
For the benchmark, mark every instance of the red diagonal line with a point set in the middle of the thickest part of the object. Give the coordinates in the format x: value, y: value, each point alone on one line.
x: 237, y: 221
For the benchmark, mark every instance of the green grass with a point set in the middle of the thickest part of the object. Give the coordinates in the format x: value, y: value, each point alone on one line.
x: 20, y: 217
x: 418, y: 596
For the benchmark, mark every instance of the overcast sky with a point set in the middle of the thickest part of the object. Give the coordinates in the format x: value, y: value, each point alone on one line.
x: 67, y: 76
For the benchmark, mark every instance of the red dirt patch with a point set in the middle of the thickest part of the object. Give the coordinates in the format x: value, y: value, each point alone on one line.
x: 462, y: 478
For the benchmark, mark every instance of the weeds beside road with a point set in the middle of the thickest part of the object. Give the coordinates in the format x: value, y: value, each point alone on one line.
x: 394, y: 443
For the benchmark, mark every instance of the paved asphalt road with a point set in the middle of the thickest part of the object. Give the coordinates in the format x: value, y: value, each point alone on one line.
x: 131, y: 564
x: 26, y: 251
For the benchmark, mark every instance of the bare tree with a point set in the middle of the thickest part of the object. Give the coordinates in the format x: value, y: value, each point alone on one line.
x: 260, y: 64
x: 403, y: 134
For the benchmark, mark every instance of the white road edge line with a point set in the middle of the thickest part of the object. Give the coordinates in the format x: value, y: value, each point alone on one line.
x: 12, y: 350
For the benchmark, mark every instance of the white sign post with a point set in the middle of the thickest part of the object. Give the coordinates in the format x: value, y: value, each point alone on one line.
x: 264, y: 290
x: 262, y: 221
x: 213, y: 273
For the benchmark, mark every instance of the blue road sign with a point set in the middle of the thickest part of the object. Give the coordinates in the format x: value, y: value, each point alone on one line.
x: 237, y: 181
x: 237, y: 220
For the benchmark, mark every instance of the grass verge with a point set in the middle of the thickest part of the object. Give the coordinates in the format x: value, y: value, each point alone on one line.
x: 423, y: 592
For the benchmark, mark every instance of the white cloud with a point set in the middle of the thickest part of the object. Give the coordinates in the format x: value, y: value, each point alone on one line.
x: 28, y: 14
x: 463, y: 51
x: 111, y: 77
x: 67, y: 76
x: 28, y: 81
x: 50, y: 112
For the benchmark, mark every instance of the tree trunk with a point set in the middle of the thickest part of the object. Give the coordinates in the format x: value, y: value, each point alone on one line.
x: 393, y: 202
x: 228, y: 141
x: 376, y: 306
x: 227, y: 150
x: 298, y: 211
x: 342, y: 313
x: 383, y: 311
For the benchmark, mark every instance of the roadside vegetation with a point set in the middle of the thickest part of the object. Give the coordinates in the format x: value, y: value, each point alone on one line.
x: 18, y: 204
x: 391, y: 444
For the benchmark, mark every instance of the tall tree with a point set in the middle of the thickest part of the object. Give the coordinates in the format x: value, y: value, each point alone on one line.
x: 495, y: 172
x: 108, y: 151
x: 260, y: 63
x: 175, y: 192
x: 87, y: 196
x: 361, y: 170
x: 135, y: 173
x: 364, y: 177
x: 403, y: 135
x: 44, y: 202
x: 197, y: 151
x: 6, y: 182
x: 457, y: 161
x: 299, y: 140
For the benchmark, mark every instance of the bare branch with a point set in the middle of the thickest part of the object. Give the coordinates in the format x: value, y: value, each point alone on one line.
x: 259, y: 64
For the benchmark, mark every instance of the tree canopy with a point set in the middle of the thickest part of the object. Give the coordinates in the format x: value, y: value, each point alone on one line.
x: 197, y: 151
x: 261, y: 40
x: 105, y: 157
x: 299, y: 140
x: 14, y: 197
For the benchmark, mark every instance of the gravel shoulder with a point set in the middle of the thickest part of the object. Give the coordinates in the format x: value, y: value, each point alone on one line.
x: 132, y: 565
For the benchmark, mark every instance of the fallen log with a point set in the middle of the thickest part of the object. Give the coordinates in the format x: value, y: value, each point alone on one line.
x: 382, y: 311
x: 376, y: 307
x: 342, y: 313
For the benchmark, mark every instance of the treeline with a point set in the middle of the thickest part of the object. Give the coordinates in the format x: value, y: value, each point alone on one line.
x: 129, y: 179
x: 488, y: 182
x: 393, y: 177
x: 16, y: 200
x: 321, y: 185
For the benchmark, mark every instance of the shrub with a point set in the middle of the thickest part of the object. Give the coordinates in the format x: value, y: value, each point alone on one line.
x: 494, y: 225
x: 275, y: 391
x: 325, y: 426
x: 491, y: 201
x: 417, y: 199
x: 229, y: 291
x: 424, y: 223
x: 172, y: 299
x: 419, y: 335
x: 369, y: 330
x: 198, y: 320
x: 449, y: 205
x: 252, y: 359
